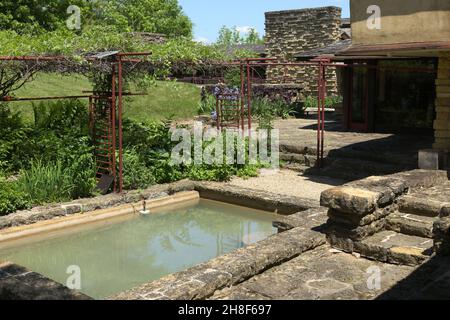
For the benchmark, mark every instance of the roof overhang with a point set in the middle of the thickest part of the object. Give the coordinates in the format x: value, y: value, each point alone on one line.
x: 415, y: 49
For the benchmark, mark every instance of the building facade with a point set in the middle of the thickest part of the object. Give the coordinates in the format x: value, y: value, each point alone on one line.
x: 400, y: 74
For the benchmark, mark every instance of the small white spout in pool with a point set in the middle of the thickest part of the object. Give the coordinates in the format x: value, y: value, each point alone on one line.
x: 144, y: 211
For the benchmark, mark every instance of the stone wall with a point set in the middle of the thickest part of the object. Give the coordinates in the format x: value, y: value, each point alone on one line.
x: 442, y: 122
x: 291, y: 32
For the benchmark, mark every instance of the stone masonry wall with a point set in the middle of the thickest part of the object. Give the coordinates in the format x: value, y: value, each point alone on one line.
x: 442, y: 122
x: 291, y: 32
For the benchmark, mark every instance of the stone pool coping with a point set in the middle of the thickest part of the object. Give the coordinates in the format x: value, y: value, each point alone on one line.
x: 73, y: 221
x: 203, y: 280
x: 209, y: 190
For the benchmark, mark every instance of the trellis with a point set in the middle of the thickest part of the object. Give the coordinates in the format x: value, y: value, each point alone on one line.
x: 105, y: 105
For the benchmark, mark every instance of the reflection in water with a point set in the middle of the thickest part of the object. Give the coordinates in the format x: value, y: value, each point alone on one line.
x: 124, y: 255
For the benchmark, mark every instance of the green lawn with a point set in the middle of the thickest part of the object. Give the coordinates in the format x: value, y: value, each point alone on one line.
x: 179, y: 100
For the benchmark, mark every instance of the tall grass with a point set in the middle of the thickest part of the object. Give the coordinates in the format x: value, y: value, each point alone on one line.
x: 46, y: 182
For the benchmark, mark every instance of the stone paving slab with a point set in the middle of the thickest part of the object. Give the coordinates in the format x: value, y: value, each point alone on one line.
x: 395, y: 248
x: 19, y: 283
x: 300, y: 136
x: 429, y: 281
x: 320, y: 274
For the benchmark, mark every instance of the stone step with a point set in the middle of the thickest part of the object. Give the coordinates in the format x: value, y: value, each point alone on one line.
x: 396, y: 248
x: 294, y: 166
x: 302, y: 159
x: 421, y: 205
x: 398, y: 159
x: 411, y: 224
x: 354, y: 169
x: 342, y: 168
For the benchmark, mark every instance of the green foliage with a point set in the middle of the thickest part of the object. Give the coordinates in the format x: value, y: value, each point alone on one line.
x: 61, y: 117
x: 13, y: 135
x: 330, y: 101
x: 82, y: 171
x: 232, y: 36
x: 136, y: 174
x: 151, y: 146
x: 266, y: 110
x: 207, y: 105
x: 37, y: 16
x: 158, y: 16
x: 11, y: 199
x: 46, y: 182
x: 53, y: 154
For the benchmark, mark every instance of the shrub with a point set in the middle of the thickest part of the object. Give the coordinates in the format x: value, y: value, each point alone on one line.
x: 14, y: 136
x: 330, y: 101
x: 135, y: 173
x: 263, y: 107
x: 11, y: 199
x: 207, y: 105
x: 82, y: 170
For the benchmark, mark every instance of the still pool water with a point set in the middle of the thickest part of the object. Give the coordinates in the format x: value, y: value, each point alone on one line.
x: 119, y: 256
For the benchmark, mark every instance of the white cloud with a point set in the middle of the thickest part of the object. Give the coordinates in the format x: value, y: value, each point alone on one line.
x: 244, y: 29
x: 202, y: 40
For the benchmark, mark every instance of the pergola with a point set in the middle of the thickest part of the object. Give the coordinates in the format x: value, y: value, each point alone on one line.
x: 105, y: 107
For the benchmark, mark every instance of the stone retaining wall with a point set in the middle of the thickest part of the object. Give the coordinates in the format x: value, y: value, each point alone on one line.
x: 291, y: 32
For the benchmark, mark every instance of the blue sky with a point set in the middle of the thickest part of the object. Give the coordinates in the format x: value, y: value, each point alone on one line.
x: 209, y: 15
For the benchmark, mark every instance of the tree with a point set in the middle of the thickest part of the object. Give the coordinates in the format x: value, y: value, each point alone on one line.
x: 232, y: 36
x: 25, y: 16
x: 157, y: 16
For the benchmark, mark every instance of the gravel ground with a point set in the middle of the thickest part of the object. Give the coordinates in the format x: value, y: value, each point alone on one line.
x: 289, y: 182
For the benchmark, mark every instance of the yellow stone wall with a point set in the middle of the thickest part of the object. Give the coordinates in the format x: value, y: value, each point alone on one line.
x: 442, y: 122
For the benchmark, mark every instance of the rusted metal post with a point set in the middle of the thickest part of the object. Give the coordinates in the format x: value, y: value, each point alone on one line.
x: 249, y: 98
x: 323, y: 93
x: 113, y: 125
x: 242, y: 94
x: 91, y: 116
x: 218, y: 115
x: 319, y: 113
x: 120, y: 115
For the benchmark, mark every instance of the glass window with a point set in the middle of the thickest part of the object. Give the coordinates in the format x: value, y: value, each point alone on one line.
x: 405, y: 95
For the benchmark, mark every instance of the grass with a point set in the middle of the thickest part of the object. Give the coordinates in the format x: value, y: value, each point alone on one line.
x: 165, y: 99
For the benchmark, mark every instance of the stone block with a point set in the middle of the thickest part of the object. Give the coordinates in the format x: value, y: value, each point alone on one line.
x: 353, y: 221
x: 356, y: 234
x: 350, y: 200
x: 430, y: 159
